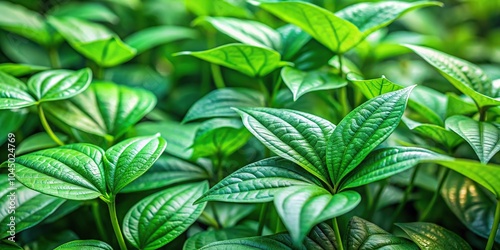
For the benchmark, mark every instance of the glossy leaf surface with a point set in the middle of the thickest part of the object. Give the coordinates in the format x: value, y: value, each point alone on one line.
x: 202, y: 239
x: 301, y: 82
x: 14, y: 93
x: 437, y: 133
x: 85, y: 244
x: 60, y: 84
x: 431, y: 236
x: 17, y: 70
x: 375, y: 87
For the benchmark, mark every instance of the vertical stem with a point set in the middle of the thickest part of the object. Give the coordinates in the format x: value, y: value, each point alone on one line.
x: 406, y: 195
x: 428, y: 209
x: 276, y: 89
x: 494, y: 229
x: 482, y: 114
x: 340, y: 245
x: 98, y: 220
x: 341, y: 69
x: 46, y: 126
x: 54, y: 57
x: 99, y: 72
x: 264, y: 90
x: 264, y: 210
x: 344, y: 102
x: 116, y: 225
x: 216, y: 72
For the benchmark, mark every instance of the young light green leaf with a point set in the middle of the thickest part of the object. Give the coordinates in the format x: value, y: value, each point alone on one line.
x: 245, y: 31
x: 259, y: 182
x: 334, y: 32
x: 160, y: 218
x: 219, y: 137
x: 386, y: 162
x: 104, y: 109
x: 14, y: 93
x: 218, y: 8
x: 431, y: 236
x: 166, y: 171
x: 59, y: 84
x: 465, y: 76
x: 375, y: 87
x: 204, y: 238
x: 250, y: 60
x: 300, y: 208
x: 22, y: 207
x: 437, y: 133
x: 296, y: 136
x: 301, y: 82
x: 129, y: 159
x: 362, y: 130
x: 363, y: 234
x: 93, y: 41
x: 483, y: 137
x: 85, y: 244
x: 369, y: 17
x: 85, y: 10
x: 73, y: 171
x: 17, y: 70
x: 151, y: 37
x: 219, y: 102
x: 472, y: 205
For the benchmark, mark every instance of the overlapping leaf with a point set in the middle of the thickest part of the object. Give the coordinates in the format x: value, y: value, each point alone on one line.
x: 437, y: 133
x: 301, y: 82
x: 11, y: 120
x: 154, y: 36
x: 432, y: 236
x: 363, y: 234
x: 17, y: 70
x: 204, y: 238
x: 85, y: 244
x: 13, y: 93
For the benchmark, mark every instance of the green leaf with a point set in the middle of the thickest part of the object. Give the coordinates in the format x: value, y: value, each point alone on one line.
x: 219, y: 102
x: 244, y: 31
x: 363, y: 234
x: 369, y: 17
x: 73, y: 171
x: 59, y: 84
x: 334, y: 32
x: 104, y: 109
x: 234, y: 8
x: 149, y: 38
x: 160, y: 218
x: 459, y: 105
x: 483, y: 137
x: 375, y: 87
x: 301, y: 82
x: 14, y: 93
x: 219, y: 137
x: 362, y: 130
x: 166, y: 171
x: 204, y: 238
x: 429, y: 103
x: 437, y: 133
x: 259, y: 182
x: 300, y: 208
x: 85, y: 244
x: 38, y: 141
x: 87, y: 11
x: 229, y: 214
x: 22, y: 207
x: 386, y: 162
x: 11, y: 120
x: 472, y: 205
x: 293, y: 39
x: 93, y: 41
x: 14, y: 69
x: 296, y: 136
x: 431, y: 236
x: 250, y: 60
x: 129, y: 159
x: 465, y: 76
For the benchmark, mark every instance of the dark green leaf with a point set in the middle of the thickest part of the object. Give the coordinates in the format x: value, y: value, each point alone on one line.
x: 85, y: 244
x: 431, y: 236
x: 301, y: 82
x: 204, y: 238
x: 161, y: 217
x: 293, y: 39
x: 14, y: 93
x: 435, y: 132
x: 151, y: 37
x: 11, y: 120
x: 229, y: 214
x: 9, y: 245
x: 59, y: 84
x: 14, y: 69
x: 429, y: 103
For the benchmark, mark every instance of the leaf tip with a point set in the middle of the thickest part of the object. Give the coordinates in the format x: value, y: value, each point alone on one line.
x: 182, y: 53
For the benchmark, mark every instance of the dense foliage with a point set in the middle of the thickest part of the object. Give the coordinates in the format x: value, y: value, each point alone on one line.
x: 232, y: 124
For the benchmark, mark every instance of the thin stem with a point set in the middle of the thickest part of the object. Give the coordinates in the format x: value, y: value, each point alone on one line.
x: 374, y: 204
x: 494, y: 229
x: 216, y: 72
x: 406, y: 195
x: 264, y: 89
x: 54, y: 57
x: 276, y: 89
x: 343, y: 101
x: 482, y: 114
x: 98, y: 220
x: 47, y: 128
x: 99, y: 72
x: 116, y: 225
x: 428, y: 209
x: 264, y: 211
x: 341, y: 69
x: 340, y: 246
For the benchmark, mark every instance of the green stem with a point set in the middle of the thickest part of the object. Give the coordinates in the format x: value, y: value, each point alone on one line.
x: 264, y: 90
x: 482, y: 114
x: 54, y: 57
x: 406, y: 195
x: 276, y: 89
x: 216, y: 72
x: 47, y: 128
x: 494, y: 229
x: 116, y: 225
x: 344, y: 102
x: 264, y: 211
x: 374, y: 204
x: 99, y: 72
x: 428, y: 209
x: 98, y: 220
x: 341, y: 69
x: 340, y: 246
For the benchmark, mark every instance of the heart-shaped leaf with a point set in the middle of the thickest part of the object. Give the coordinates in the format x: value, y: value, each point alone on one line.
x: 301, y: 82
x: 363, y: 234
x: 362, y: 130
x: 431, y: 236
x: 85, y: 244
x: 59, y: 84
x: 369, y: 17
x: 250, y: 60
x: 14, y: 93
x: 151, y: 37
x: 301, y: 208
x: 386, y: 162
x: 129, y: 159
x: 22, y: 207
x: 465, y: 76
x: 73, y: 171
x: 160, y: 218
x: 472, y: 205
x: 483, y: 137
x: 437, y: 133
x: 293, y: 135
x: 219, y: 102
x: 17, y: 70
x: 259, y: 182
x: 334, y: 32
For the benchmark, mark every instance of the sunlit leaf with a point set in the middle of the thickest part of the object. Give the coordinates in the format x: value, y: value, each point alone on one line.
x: 437, y: 133
x: 14, y: 93
x: 301, y: 82
x: 17, y: 70
x: 431, y: 236
x: 59, y: 84
x: 85, y: 244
